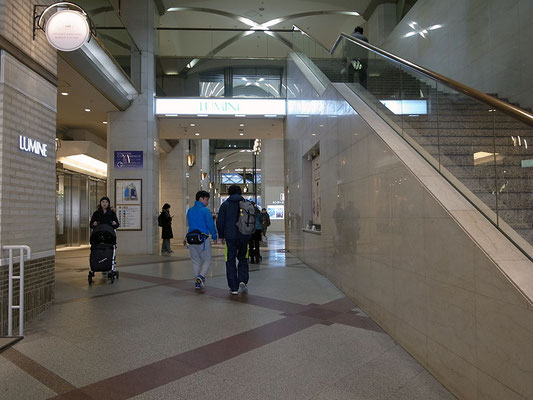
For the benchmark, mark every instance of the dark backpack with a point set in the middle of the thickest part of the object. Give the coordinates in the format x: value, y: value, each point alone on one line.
x: 246, y: 221
x: 160, y: 220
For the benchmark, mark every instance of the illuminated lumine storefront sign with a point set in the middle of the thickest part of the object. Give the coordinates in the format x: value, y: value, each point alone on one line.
x: 236, y: 107
x: 33, y: 146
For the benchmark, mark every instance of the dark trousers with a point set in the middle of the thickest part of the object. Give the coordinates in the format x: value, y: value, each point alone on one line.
x: 255, y: 238
x: 237, y: 248
x: 360, y: 73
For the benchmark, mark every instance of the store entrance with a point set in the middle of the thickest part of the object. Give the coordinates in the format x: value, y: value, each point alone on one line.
x: 76, y: 198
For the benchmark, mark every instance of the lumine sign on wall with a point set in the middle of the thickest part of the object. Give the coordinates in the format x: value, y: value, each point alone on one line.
x: 33, y: 146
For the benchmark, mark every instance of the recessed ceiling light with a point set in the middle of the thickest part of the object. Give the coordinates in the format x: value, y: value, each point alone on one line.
x: 321, y: 126
x: 241, y: 124
x: 104, y: 122
x: 313, y: 134
x: 193, y: 124
x: 88, y: 110
x: 64, y: 93
x: 241, y: 134
x: 197, y: 134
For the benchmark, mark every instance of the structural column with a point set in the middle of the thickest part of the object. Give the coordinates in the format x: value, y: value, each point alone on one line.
x: 136, y: 130
x: 27, y: 155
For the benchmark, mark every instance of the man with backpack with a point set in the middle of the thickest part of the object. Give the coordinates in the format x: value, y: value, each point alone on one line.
x: 235, y: 223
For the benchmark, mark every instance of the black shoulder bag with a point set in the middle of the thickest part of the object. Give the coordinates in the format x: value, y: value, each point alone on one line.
x: 195, y: 237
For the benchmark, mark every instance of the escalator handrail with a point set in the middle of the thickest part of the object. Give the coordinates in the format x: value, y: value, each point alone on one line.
x: 494, y: 102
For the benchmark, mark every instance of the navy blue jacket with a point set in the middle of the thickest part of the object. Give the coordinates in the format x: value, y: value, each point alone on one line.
x: 228, y: 214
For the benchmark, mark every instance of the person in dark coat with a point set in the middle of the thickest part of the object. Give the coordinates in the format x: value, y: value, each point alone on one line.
x: 165, y: 222
x: 357, y: 58
x: 236, y: 242
x: 104, y: 214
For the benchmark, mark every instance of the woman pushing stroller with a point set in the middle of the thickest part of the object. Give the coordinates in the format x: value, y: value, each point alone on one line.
x: 104, y: 215
x: 103, y: 241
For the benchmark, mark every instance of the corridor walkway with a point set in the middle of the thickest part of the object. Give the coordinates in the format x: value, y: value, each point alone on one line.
x: 150, y: 335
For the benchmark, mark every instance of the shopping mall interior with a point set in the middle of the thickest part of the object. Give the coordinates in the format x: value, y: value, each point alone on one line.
x: 386, y: 141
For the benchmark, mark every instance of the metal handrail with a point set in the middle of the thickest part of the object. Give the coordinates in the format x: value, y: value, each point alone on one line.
x: 498, y: 104
x: 20, y: 278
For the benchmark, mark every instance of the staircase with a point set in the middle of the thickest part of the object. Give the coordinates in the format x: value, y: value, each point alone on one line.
x: 463, y: 134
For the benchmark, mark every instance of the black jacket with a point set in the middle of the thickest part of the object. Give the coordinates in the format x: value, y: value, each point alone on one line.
x: 228, y: 214
x: 104, y: 218
x: 166, y: 224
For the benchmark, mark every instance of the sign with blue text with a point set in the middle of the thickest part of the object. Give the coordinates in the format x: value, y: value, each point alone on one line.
x: 128, y: 159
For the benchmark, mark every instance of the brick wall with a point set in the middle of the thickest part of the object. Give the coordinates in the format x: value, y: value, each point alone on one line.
x: 27, y: 180
x: 38, y: 291
x: 16, y: 25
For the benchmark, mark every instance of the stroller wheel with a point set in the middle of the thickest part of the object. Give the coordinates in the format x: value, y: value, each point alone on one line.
x: 112, y: 279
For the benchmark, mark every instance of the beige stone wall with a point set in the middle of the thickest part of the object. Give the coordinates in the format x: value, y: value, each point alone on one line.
x: 173, y: 186
x: 483, y: 44
x: 16, y: 24
x: 410, y: 251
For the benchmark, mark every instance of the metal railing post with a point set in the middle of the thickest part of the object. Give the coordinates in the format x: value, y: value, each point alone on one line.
x: 20, y: 277
x: 10, y: 296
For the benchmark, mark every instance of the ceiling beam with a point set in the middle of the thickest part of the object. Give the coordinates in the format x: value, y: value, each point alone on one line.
x: 372, y: 7
x: 161, y: 9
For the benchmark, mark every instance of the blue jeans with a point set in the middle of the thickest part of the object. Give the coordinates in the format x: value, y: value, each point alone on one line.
x: 237, y: 248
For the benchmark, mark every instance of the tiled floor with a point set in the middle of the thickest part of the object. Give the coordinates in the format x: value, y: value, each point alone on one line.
x: 150, y: 335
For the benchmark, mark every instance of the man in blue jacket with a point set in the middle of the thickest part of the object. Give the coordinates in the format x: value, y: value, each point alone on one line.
x: 236, y: 242
x: 199, y: 218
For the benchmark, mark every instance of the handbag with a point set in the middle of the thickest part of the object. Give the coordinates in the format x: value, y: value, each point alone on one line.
x: 195, y: 237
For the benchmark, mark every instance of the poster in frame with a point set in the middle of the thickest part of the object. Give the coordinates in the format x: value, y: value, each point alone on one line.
x: 128, y: 201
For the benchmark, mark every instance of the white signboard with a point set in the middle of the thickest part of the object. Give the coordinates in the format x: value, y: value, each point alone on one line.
x: 129, y: 217
x: 67, y: 30
x: 236, y: 107
x: 406, y: 107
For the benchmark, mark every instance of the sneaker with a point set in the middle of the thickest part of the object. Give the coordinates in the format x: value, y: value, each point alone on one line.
x: 202, y: 279
x: 198, y: 283
x: 243, y: 286
x: 234, y: 292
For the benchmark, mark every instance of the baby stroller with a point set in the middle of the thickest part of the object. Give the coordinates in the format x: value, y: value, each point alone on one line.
x: 103, y: 245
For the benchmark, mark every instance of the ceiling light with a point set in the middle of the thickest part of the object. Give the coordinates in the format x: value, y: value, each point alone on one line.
x: 87, y: 110
x: 313, y: 134
x: 193, y: 124
x: 104, y: 122
x: 241, y: 124
x: 241, y: 134
x: 64, y: 93
x: 197, y: 134
x: 86, y: 163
